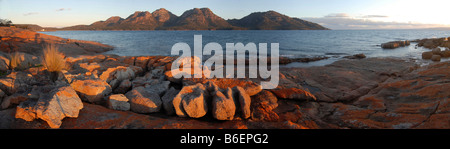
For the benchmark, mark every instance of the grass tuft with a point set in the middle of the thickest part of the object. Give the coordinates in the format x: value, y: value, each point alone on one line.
x: 53, y: 60
x: 14, y: 60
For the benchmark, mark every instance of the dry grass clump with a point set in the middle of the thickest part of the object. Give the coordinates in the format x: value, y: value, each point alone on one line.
x: 14, y: 60
x: 53, y: 60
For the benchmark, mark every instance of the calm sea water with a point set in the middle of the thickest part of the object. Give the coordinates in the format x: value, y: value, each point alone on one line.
x: 298, y: 44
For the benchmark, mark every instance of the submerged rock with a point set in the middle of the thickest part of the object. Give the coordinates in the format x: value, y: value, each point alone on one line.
x: 356, y: 56
x: 395, y: 44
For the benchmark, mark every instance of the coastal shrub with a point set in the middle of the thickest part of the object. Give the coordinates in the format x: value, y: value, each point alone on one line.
x: 52, y: 59
x: 14, y: 60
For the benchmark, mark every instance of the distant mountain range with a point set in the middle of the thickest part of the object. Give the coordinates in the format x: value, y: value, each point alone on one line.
x: 199, y: 19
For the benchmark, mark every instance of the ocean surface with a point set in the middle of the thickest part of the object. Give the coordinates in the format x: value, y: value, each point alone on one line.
x: 296, y: 44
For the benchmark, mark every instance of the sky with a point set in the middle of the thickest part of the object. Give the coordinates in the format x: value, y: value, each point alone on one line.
x: 334, y: 14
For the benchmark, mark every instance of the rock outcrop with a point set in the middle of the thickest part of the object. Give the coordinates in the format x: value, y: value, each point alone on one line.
x: 357, y: 93
x: 350, y: 93
x: 54, y: 104
x: 433, y: 43
x: 436, y: 46
x: 26, y: 41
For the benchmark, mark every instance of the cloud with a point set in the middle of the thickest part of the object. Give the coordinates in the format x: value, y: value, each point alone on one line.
x: 337, y: 15
x: 63, y: 9
x: 375, y: 16
x: 30, y: 13
x: 345, y: 21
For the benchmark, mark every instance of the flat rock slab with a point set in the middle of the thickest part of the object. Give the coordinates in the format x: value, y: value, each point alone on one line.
x: 346, y: 80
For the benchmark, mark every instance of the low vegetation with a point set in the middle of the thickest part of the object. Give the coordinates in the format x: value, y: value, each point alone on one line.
x: 53, y: 60
x: 14, y: 60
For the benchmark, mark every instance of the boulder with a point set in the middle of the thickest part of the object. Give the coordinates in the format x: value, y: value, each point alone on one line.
x: 250, y: 87
x: 87, y: 67
x: 114, y: 76
x: 145, y: 80
x: 54, y: 104
x: 211, y: 87
x: 159, y: 88
x: 223, y: 106
x: 16, y: 82
x: 436, y: 58
x: 142, y: 101
x: 26, y: 110
x: 160, y: 61
x: 244, y: 101
x: 188, y: 65
x: 129, y: 60
x: 262, y: 106
x: 428, y: 43
x: 85, y: 59
x: 427, y: 55
x: 142, y: 62
x: 265, y: 98
x: 445, y: 53
x: 93, y: 91
x: 123, y: 87
x: 191, y: 101
x: 167, y: 100
x: 118, y: 102
x: 14, y: 99
x: 436, y: 51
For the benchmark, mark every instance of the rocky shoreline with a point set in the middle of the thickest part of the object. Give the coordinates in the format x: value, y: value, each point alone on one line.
x: 109, y: 91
